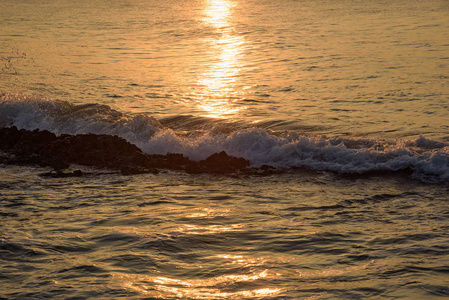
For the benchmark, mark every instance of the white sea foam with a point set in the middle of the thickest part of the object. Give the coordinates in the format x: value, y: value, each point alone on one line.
x: 62, y: 117
x: 428, y: 159
x: 318, y: 153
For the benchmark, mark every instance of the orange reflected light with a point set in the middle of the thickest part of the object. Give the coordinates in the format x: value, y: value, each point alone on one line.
x: 211, y: 281
x: 331, y: 272
x: 243, y: 261
x: 219, y: 80
x: 217, y: 13
x: 211, y: 229
x: 195, y: 288
x: 205, y: 213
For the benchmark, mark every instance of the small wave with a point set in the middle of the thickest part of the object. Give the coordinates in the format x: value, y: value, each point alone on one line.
x: 62, y: 117
x: 427, y: 159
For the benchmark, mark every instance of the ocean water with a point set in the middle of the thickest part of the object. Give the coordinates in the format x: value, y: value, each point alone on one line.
x: 348, y: 99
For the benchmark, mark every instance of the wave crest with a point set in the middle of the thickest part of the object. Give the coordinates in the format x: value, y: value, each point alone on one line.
x: 62, y: 117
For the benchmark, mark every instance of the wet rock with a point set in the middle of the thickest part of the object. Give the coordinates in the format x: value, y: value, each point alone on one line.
x: 46, y: 149
x: 223, y: 163
x: 9, y: 137
x: 43, y: 148
x: 103, y: 151
x: 219, y: 163
x: 25, y: 142
x: 171, y: 161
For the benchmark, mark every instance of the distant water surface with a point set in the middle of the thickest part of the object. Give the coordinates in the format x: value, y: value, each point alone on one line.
x: 369, y: 68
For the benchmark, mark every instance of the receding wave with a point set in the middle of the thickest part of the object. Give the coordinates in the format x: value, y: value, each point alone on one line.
x: 427, y: 159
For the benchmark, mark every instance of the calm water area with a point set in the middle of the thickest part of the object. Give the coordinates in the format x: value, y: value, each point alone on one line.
x: 337, y: 67
x: 348, y: 99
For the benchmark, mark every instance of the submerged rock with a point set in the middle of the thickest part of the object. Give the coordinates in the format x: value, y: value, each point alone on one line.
x: 62, y: 174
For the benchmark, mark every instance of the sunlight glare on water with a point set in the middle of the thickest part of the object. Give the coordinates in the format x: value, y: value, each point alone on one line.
x: 197, y: 288
x: 218, y: 81
x: 357, y: 68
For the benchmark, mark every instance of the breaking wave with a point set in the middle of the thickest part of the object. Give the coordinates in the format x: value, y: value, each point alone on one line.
x: 62, y: 117
x: 427, y: 159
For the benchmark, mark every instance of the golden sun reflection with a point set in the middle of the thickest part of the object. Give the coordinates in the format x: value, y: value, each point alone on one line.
x: 253, y: 284
x: 331, y: 272
x: 210, y: 229
x: 163, y: 287
x: 219, y: 79
x: 217, y: 12
x: 203, y: 212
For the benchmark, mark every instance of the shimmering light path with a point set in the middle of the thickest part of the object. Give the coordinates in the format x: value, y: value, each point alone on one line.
x: 336, y: 68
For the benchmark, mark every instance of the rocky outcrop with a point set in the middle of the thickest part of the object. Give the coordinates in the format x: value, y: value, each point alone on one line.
x: 218, y: 163
x: 43, y: 148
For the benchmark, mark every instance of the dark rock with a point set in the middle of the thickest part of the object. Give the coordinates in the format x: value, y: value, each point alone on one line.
x: 46, y: 149
x: 43, y: 148
x: 219, y: 163
x: 105, y: 151
x: 9, y: 137
x: 172, y: 161
x: 194, y: 169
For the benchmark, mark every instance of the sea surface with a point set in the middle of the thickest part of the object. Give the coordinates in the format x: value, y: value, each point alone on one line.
x: 347, y: 99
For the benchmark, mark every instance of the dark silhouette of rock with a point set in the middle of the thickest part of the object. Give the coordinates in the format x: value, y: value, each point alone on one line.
x: 25, y: 142
x: 219, y: 163
x: 172, y: 161
x: 103, y: 151
x: 43, y: 148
